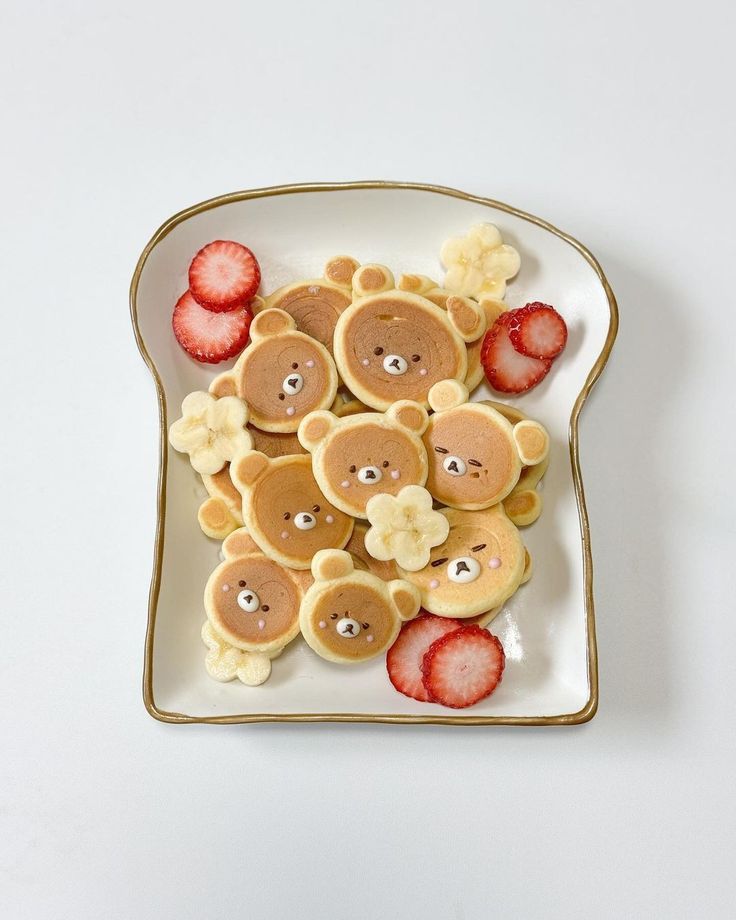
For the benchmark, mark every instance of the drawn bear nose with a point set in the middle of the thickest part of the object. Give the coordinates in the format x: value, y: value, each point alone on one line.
x: 304, y: 521
x: 248, y: 601
x: 348, y: 627
x: 292, y: 384
x: 395, y: 364
x: 369, y: 474
x: 454, y: 466
x: 463, y: 570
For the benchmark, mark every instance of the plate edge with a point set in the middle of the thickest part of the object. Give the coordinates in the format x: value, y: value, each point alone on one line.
x: 590, y: 708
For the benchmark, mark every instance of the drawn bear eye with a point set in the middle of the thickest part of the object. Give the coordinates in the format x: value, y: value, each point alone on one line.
x: 378, y: 351
x: 416, y: 358
x: 333, y: 616
x: 241, y: 583
x: 315, y: 509
x: 441, y: 450
x: 295, y: 365
x: 365, y: 625
x: 281, y: 396
x: 475, y: 462
x: 287, y: 515
x: 353, y: 468
x: 478, y: 548
x: 441, y: 561
x: 384, y: 464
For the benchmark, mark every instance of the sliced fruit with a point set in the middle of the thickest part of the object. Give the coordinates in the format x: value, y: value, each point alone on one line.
x: 538, y: 331
x: 405, y: 657
x: 507, y: 370
x: 224, y: 276
x: 209, y: 337
x: 463, y: 667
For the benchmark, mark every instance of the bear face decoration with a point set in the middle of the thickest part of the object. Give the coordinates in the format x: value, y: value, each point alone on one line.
x: 358, y: 456
x: 284, y: 510
x: 348, y: 616
x: 252, y: 606
x: 478, y: 567
x: 476, y: 455
x: 282, y: 375
x: 392, y: 344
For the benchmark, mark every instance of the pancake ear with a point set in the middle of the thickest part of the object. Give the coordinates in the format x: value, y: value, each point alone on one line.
x: 314, y: 428
x: 224, y: 385
x: 328, y: 564
x: 467, y: 317
x: 247, y: 468
x: 523, y: 507
x: 239, y: 543
x: 528, y: 567
x: 409, y: 415
x: 372, y: 279
x: 416, y: 284
x: 271, y: 322
x: 215, y: 519
x: 532, y: 442
x: 447, y: 394
x: 406, y: 598
x: 340, y: 270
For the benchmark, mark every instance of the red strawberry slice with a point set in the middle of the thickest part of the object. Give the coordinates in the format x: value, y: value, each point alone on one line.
x: 224, y: 276
x: 209, y: 337
x: 507, y: 370
x: 463, y: 667
x: 538, y: 331
x: 404, y: 658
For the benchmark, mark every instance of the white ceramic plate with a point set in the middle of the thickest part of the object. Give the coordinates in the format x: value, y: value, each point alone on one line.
x: 547, y: 628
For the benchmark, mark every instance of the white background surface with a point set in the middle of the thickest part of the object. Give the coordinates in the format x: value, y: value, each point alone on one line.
x: 616, y: 125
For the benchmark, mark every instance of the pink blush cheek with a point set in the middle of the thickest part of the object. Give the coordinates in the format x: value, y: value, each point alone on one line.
x: 396, y: 474
x: 434, y: 583
x: 365, y: 362
x: 345, y: 484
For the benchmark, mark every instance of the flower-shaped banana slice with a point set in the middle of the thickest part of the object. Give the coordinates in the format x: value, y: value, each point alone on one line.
x: 479, y: 264
x: 212, y: 431
x: 225, y: 662
x: 404, y: 527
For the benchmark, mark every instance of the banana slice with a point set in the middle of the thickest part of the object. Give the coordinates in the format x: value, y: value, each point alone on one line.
x: 404, y: 527
x: 479, y: 264
x: 212, y: 431
x: 224, y: 662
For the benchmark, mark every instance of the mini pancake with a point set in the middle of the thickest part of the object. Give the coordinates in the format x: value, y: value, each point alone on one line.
x: 478, y: 567
x: 282, y: 375
x: 349, y: 616
x: 284, y: 509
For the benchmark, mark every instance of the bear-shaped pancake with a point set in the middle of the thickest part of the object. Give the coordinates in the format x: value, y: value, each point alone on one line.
x: 282, y: 375
x: 252, y: 606
x: 476, y: 455
x: 349, y: 616
x: 317, y: 303
x: 284, y: 510
x: 392, y: 344
x: 358, y: 456
x: 478, y: 567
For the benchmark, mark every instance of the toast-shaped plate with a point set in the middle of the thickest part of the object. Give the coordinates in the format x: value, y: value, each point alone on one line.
x: 548, y: 627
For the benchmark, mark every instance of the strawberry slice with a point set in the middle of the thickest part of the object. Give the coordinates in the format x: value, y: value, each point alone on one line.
x: 538, y: 331
x: 404, y: 658
x: 224, y: 276
x: 209, y: 337
x: 463, y: 667
x: 507, y: 370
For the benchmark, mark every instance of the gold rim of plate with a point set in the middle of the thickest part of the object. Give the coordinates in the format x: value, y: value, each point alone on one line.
x: 574, y: 718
